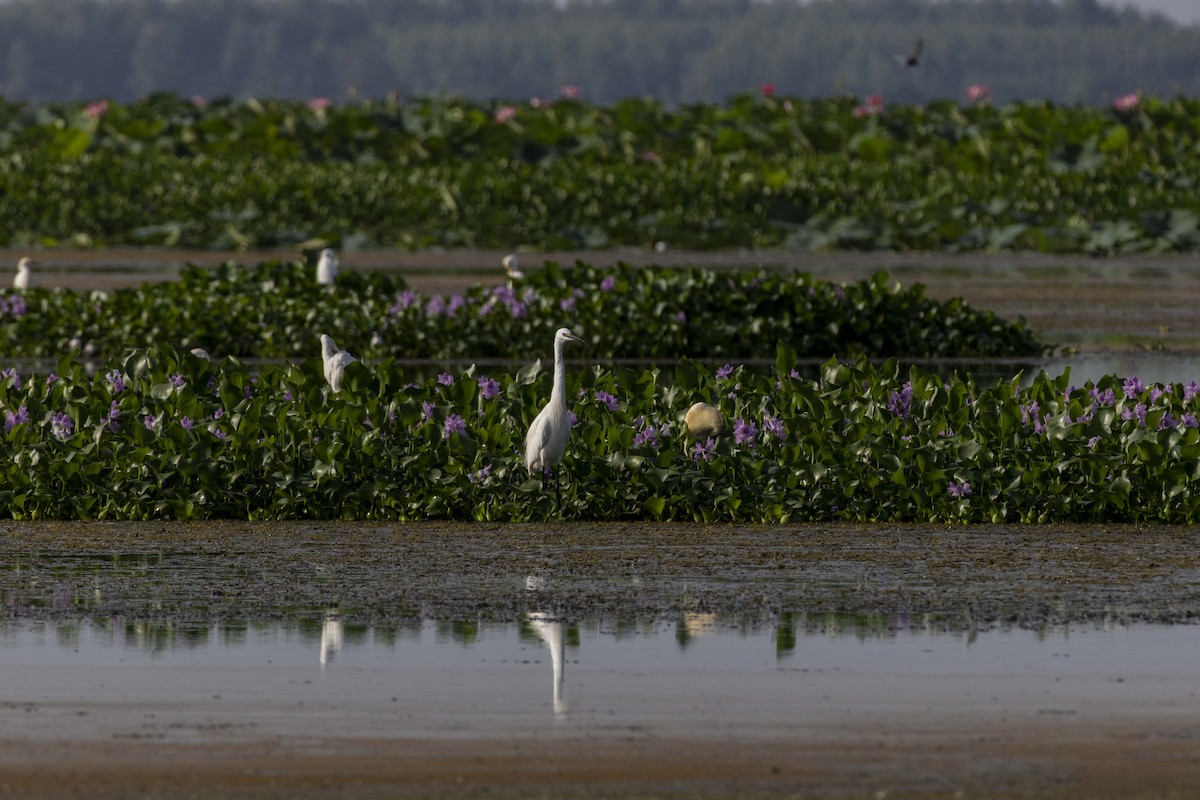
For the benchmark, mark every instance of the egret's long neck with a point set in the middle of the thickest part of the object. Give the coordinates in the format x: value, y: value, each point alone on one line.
x: 559, y: 393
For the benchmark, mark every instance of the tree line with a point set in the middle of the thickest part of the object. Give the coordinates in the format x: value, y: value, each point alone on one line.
x: 679, y: 51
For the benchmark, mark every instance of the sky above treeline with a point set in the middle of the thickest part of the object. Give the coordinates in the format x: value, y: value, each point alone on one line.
x: 1184, y: 11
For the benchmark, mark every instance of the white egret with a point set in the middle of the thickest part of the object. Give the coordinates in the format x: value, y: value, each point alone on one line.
x: 335, y: 362
x: 327, y: 267
x: 510, y: 269
x: 704, y: 421
x: 547, y: 438
x: 24, y: 278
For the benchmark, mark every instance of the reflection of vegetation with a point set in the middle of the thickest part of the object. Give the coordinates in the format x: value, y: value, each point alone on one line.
x: 785, y: 634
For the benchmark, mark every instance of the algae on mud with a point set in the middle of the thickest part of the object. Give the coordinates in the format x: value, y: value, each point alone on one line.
x: 876, y: 576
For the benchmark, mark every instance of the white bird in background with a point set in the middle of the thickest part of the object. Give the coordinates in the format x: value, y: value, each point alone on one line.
x: 510, y: 268
x: 335, y: 362
x: 547, y: 438
x: 327, y: 267
x: 704, y: 421
x: 23, y: 279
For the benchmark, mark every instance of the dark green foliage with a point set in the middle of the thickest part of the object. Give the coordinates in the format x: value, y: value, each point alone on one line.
x: 278, y: 310
x: 755, y: 172
x: 859, y: 443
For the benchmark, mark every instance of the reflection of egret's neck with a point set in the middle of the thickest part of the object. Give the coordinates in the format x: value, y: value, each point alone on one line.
x: 551, y: 631
x: 331, y: 639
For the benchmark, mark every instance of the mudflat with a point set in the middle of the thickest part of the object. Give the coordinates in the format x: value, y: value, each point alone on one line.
x: 1116, y: 735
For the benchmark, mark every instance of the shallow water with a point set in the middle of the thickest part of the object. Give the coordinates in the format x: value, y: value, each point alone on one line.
x: 703, y: 676
x: 335, y: 659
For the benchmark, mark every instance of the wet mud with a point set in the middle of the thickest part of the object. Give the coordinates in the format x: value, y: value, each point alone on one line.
x: 1013, y: 734
x: 957, y: 578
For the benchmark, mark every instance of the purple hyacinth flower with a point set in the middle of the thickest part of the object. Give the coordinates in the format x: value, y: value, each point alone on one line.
x: 608, y: 284
x: 445, y: 379
x: 704, y: 451
x: 426, y: 410
x: 488, y: 388
x: 959, y: 489
x: 454, y: 424
x: 12, y: 373
x: 774, y: 426
x: 186, y: 423
x: 900, y: 403
x: 607, y: 399
x: 11, y: 420
x: 116, y: 381
x: 744, y: 432
x: 176, y: 379
x: 61, y: 425
x: 1133, y: 387
x: 725, y: 371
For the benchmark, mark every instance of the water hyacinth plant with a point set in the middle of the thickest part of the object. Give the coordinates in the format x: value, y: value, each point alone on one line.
x: 226, y: 442
x: 270, y: 311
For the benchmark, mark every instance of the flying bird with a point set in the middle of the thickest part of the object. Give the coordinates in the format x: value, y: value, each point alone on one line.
x: 335, y: 362
x: 23, y: 279
x: 913, y: 59
x: 327, y: 267
x: 547, y: 438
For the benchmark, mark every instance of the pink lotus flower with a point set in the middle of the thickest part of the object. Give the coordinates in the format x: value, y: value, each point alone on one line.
x: 198, y: 101
x: 504, y: 114
x: 96, y: 110
x: 317, y: 103
x: 873, y: 107
x: 536, y: 102
x: 1126, y: 102
x: 649, y: 155
x: 768, y: 89
x: 977, y: 93
x: 571, y: 92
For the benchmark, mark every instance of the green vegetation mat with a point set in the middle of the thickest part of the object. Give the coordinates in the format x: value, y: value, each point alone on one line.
x: 168, y: 434
x: 757, y: 171
x: 278, y: 310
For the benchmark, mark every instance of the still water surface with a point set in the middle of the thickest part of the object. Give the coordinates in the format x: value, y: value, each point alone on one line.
x: 700, y: 677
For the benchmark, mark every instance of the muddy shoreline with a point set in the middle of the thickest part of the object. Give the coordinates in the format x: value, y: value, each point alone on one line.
x: 955, y: 578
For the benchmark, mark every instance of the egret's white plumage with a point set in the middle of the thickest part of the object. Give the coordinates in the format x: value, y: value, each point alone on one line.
x: 335, y: 362
x: 704, y: 421
x: 200, y: 352
x: 24, y: 278
x: 327, y: 267
x: 511, y: 269
x: 547, y: 438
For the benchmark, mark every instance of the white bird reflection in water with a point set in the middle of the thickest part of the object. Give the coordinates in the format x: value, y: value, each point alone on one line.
x: 331, y: 637
x: 552, y: 631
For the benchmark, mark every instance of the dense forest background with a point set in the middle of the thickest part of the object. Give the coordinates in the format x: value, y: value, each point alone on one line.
x: 680, y: 51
